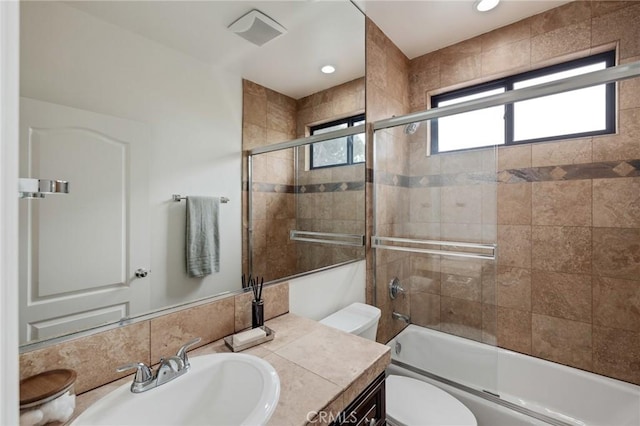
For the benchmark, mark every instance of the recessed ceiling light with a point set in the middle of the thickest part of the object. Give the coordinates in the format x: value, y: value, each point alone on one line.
x: 328, y: 69
x: 486, y: 5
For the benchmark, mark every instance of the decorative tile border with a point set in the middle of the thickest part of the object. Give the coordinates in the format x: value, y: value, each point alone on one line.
x: 600, y: 170
x: 273, y: 187
x: 429, y: 181
x: 453, y: 179
x: 330, y: 187
x: 391, y: 179
x: 307, y: 189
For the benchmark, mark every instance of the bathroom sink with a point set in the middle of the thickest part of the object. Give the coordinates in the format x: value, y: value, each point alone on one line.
x: 220, y: 389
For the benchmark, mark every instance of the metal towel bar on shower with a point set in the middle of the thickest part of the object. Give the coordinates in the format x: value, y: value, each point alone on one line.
x: 477, y: 251
x: 178, y: 198
x: 354, y: 240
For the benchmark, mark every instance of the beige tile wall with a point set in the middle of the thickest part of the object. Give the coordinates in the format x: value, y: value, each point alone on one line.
x: 268, y: 118
x: 344, y: 100
x: 445, y: 294
x: 449, y: 294
x: 568, y: 274
x: 387, y: 88
x: 336, y: 211
x: 274, y: 214
x: 96, y: 357
x: 578, y: 240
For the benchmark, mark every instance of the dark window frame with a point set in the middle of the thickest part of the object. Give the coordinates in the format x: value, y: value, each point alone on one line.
x: 507, y: 83
x: 349, y: 121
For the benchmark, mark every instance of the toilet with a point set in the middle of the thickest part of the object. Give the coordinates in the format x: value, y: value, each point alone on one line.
x: 412, y: 402
x: 409, y: 401
x: 358, y: 318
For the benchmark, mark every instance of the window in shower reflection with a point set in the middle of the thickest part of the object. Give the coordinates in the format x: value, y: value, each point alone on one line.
x: 340, y: 151
x: 304, y: 219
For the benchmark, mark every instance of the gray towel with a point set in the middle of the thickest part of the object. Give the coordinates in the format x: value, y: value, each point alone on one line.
x: 203, y: 252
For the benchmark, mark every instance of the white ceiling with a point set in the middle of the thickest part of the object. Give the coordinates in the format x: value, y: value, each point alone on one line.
x: 419, y: 27
x: 319, y: 32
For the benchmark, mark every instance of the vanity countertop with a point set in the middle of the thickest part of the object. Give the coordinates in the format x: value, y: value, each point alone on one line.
x: 320, y: 369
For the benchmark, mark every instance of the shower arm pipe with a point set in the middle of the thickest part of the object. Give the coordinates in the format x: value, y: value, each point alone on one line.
x: 340, y: 133
x: 595, y: 78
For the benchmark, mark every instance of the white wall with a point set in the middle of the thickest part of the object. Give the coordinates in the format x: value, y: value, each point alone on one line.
x: 9, y: 212
x: 194, y: 113
x: 319, y: 295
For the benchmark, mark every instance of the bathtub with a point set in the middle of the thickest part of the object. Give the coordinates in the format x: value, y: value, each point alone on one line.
x: 505, y: 388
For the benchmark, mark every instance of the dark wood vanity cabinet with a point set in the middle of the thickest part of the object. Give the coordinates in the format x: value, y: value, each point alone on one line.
x: 368, y: 409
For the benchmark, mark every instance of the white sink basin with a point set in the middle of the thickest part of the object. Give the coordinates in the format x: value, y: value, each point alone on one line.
x: 220, y: 389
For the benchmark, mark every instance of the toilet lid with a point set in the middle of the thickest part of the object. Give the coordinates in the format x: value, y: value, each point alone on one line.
x: 354, y: 318
x: 413, y: 402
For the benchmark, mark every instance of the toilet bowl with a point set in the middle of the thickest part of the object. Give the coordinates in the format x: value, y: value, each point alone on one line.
x: 409, y: 402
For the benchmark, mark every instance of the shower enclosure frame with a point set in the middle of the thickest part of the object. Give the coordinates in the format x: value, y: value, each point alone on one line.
x: 605, y: 76
x: 608, y: 75
x: 296, y: 143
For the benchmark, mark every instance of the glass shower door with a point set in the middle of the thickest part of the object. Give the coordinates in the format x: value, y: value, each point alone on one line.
x: 303, y: 219
x: 435, y: 231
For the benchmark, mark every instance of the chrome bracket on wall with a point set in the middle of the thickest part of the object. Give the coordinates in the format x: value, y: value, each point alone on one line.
x: 353, y: 240
x: 443, y: 248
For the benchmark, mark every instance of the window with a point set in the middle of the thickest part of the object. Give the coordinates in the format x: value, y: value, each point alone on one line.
x: 579, y: 113
x: 341, y: 151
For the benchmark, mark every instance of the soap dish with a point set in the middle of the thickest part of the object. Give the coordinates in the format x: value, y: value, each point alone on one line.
x: 237, y: 348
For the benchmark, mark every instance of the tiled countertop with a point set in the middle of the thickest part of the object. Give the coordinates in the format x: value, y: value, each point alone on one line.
x: 320, y: 368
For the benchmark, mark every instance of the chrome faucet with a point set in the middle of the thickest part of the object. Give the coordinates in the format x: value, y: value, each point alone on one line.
x: 168, y: 369
x: 402, y: 317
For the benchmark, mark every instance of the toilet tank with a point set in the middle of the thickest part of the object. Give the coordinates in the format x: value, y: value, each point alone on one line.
x: 357, y: 318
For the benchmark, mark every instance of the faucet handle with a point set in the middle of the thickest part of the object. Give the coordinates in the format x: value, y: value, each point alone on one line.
x: 182, y: 352
x: 143, y: 372
x: 395, y: 288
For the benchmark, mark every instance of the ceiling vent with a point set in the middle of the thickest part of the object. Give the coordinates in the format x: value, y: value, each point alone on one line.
x: 257, y: 27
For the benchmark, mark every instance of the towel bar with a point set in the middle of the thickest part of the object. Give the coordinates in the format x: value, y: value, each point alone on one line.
x: 480, y: 251
x: 355, y: 240
x: 178, y: 198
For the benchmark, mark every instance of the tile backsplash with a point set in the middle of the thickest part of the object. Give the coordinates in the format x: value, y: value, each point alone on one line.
x: 96, y: 357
